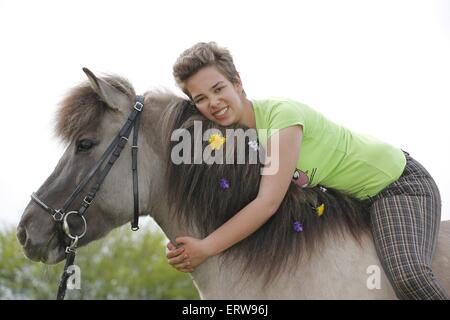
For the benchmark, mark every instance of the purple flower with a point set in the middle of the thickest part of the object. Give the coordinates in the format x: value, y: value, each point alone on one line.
x: 298, y: 227
x: 224, y: 184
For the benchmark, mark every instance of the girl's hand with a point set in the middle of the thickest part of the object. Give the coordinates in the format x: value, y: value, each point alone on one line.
x: 196, y: 250
x: 192, y: 253
x: 177, y: 258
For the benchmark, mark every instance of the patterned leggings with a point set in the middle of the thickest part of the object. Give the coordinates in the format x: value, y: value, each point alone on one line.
x: 405, y: 221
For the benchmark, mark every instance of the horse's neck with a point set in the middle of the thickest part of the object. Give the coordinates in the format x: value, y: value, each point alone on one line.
x: 171, y: 228
x: 158, y: 206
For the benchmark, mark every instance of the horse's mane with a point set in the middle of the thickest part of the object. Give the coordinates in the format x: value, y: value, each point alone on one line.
x: 196, y: 199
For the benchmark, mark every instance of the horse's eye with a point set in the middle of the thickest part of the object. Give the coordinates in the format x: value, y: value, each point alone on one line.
x: 84, y: 145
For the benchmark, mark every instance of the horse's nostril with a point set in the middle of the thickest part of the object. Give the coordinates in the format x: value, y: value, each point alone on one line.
x: 21, y: 235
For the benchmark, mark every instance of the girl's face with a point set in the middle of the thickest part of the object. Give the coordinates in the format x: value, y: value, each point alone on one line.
x: 216, y: 97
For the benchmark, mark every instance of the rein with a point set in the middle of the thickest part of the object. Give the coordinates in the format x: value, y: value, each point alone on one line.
x: 111, y: 154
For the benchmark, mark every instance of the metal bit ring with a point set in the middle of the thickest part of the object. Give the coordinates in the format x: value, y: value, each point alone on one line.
x: 66, y: 226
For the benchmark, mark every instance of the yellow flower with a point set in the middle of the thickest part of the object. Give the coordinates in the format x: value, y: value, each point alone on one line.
x: 320, y: 209
x: 216, y: 141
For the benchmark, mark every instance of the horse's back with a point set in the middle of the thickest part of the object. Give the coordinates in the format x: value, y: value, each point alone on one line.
x: 342, y: 269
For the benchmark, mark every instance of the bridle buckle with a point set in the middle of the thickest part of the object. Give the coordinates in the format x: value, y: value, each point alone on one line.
x: 138, y: 106
x: 58, y: 215
x: 87, y: 201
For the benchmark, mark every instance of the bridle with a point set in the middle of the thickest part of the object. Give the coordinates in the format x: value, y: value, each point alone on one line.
x: 112, y: 153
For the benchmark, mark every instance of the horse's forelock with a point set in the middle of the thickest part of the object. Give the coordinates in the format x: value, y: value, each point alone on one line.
x: 82, y: 110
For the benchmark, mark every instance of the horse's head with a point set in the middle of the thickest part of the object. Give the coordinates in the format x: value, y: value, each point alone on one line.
x: 88, y: 119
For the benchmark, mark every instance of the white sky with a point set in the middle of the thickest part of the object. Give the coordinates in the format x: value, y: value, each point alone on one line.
x: 378, y: 67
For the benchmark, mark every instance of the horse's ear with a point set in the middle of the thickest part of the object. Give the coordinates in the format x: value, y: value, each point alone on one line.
x: 110, y: 95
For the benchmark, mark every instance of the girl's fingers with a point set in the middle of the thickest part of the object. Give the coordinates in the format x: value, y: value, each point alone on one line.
x: 171, y: 246
x: 187, y: 269
x: 174, y: 253
x: 183, y: 265
x: 178, y: 259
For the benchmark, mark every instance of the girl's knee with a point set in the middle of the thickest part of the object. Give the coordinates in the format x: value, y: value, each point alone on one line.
x: 418, y: 283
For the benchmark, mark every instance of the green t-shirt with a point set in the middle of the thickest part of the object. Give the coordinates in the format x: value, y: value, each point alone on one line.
x: 332, y: 155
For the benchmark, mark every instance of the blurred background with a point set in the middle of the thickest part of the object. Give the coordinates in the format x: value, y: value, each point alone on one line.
x: 377, y: 66
x: 124, y: 265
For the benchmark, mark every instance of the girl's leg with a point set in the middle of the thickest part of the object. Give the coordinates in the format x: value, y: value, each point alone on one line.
x: 405, y: 223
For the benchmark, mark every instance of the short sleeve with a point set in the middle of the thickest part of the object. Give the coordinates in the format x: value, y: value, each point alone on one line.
x: 285, y: 114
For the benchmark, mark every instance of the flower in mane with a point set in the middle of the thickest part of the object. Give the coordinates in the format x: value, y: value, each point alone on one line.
x: 216, y: 141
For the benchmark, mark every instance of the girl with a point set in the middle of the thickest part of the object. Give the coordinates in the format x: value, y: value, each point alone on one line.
x: 404, y: 199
